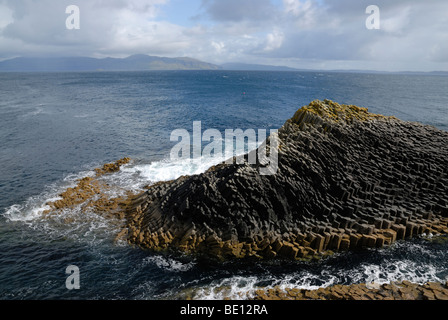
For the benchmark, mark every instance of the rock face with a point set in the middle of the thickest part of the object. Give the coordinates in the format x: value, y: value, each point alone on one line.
x: 347, y: 179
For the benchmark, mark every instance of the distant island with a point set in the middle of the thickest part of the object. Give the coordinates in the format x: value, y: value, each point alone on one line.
x: 138, y: 62
x: 142, y: 62
x: 255, y: 67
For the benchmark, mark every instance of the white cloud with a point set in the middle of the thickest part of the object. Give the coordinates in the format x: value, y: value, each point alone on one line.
x: 274, y: 40
x: 219, y: 46
x: 325, y: 33
x: 105, y: 25
x: 305, y: 12
x: 5, y: 16
x: 239, y: 10
x: 397, y: 21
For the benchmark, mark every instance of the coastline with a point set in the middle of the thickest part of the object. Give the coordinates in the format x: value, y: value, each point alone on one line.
x: 392, y: 291
x: 313, y: 242
x: 347, y: 180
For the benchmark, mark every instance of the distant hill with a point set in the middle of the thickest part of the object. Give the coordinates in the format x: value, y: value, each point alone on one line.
x: 255, y: 67
x: 260, y: 67
x: 133, y: 63
x: 142, y: 62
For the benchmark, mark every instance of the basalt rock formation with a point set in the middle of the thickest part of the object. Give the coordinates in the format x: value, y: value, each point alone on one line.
x: 392, y: 291
x: 347, y: 179
x: 89, y: 194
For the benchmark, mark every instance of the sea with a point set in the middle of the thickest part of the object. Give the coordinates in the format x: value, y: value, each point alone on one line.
x: 56, y: 128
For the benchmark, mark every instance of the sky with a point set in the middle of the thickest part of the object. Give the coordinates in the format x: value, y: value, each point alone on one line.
x: 309, y: 34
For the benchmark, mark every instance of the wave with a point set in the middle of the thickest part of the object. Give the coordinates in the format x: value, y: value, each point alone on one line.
x: 410, y: 261
x: 399, y: 271
x: 243, y: 287
x: 414, y: 262
x: 167, y: 169
x: 169, y: 264
x: 35, y: 206
x: 36, y: 111
x: 77, y: 223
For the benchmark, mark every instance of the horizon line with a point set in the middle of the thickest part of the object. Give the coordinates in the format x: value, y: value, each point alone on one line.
x: 293, y: 69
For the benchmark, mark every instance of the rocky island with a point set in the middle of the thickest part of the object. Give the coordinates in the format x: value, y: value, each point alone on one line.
x: 347, y: 180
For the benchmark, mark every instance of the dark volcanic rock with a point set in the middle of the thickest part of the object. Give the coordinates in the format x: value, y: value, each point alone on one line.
x: 346, y: 179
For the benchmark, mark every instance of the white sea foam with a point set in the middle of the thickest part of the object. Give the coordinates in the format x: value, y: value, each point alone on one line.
x: 241, y: 288
x: 34, y: 206
x: 398, y: 271
x: 168, y: 264
x: 306, y: 280
x: 373, y: 274
x: 30, y: 210
x: 235, y: 288
x: 37, y: 110
x: 132, y: 177
x: 86, y: 226
x: 166, y: 170
x: 75, y: 223
x: 170, y: 170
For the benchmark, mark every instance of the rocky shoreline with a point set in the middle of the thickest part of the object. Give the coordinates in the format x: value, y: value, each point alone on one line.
x: 90, y: 194
x: 347, y: 180
x: 392, y: 291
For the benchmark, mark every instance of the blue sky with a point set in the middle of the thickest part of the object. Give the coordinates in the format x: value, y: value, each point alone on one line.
x: 181, y: 12
x: 315, y: 34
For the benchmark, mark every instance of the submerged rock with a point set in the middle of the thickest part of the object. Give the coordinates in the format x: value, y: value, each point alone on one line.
x: 112, y: 167
x: 90, y: 194
x: 347, y: 179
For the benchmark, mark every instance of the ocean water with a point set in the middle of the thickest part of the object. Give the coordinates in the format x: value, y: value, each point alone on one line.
x: 57, y: 127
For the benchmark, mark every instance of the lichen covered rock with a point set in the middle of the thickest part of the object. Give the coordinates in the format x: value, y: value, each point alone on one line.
x: 90, y: 193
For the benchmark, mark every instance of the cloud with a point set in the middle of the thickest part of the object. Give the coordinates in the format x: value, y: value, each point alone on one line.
x: 5, y: 16
x: 305, y: 13
x: 297, y: 33
x: 239, y: 10
x: 274, y: 40
x: 104, y: 24
x: 412, y: 33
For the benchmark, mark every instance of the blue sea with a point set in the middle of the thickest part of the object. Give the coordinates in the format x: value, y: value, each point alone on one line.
x: 56, y: 128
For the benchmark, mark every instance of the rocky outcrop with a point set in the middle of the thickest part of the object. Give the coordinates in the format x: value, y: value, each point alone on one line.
x: 111, y: 167
x: 90, y: 193
x: 393, y: 291
x: 347, y: 179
